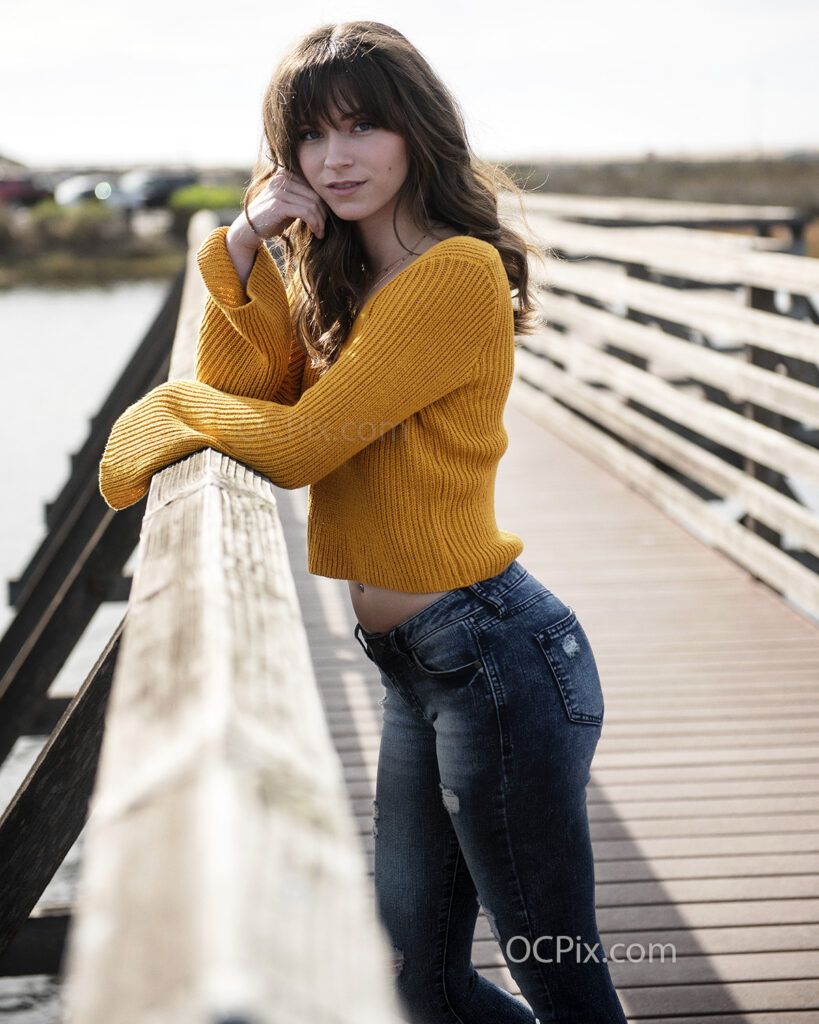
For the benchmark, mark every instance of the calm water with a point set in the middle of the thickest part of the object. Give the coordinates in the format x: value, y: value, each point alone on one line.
x: 60, y: 353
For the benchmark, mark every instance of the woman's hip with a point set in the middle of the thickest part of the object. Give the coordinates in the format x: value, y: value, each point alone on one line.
x: 504, y: 653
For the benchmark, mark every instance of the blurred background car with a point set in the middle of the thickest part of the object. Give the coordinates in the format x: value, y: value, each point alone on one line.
x: 82, y: 187
x: 150, y: 187
x: 139, y: 189
x: 22, y: 190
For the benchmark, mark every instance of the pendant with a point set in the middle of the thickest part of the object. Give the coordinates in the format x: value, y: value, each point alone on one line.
x: 360, y: 586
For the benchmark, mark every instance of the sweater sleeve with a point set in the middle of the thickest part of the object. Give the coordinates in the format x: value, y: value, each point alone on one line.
x: 417, y: 340
x: 246, y: 342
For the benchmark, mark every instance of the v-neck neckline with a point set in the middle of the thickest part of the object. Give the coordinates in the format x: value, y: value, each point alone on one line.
x: 404, y: 270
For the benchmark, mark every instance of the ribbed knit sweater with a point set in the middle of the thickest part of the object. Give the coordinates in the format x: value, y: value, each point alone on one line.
x: 399, y: 440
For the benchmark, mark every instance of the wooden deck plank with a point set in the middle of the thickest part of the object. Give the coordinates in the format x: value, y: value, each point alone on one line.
x: 693, y: 969
x: 704, y: 1001
x: 740, y: 1017
x: 705, y: 787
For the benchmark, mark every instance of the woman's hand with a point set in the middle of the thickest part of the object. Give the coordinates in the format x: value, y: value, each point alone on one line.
x: 285, y: 198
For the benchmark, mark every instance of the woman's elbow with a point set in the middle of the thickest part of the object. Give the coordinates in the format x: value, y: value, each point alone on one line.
x: 290, y: 478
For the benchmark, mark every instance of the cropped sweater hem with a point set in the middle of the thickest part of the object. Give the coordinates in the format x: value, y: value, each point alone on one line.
x: 414, y: 577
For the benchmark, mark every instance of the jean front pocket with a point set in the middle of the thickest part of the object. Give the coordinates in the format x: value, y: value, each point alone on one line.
x: 448, y: 654
x: 569, y: 655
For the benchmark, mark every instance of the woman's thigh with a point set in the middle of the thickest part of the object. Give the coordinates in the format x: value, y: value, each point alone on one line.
x: 514, y: 753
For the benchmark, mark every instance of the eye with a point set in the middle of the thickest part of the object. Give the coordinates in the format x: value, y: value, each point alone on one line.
x: 309, y: 134
x: 364, y: 126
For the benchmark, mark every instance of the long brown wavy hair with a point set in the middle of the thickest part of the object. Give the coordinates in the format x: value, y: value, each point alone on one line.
x: 370, y: 70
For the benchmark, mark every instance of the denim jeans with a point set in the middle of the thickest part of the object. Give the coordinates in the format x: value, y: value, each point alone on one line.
x: 491, y: 716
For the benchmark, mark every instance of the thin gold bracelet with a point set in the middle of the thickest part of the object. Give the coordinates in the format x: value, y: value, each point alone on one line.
x: 253, y: 227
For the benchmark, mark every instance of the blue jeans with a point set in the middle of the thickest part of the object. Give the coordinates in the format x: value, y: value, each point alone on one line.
x: 491, y: 716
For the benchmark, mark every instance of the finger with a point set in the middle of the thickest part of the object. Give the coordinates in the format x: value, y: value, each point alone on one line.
x: 310, y: 209
x: 284, y: 203
x: 295, y: 185
x: 285, y: 199
x: 298, y: 178
x: 285, y: 181
x: 302, y: 192
x: 317, y: 218
x: 316, y: 225
x: 306, y: 212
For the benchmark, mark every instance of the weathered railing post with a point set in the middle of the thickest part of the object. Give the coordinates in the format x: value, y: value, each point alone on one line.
x: 763, y: 298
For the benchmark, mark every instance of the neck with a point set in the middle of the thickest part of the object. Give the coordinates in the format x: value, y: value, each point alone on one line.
x: 384, y: 241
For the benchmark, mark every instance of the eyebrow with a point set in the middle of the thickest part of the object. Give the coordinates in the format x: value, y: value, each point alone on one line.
x: 355, y: 115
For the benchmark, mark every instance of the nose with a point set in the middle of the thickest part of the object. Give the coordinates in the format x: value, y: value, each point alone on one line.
x: 337, y: 153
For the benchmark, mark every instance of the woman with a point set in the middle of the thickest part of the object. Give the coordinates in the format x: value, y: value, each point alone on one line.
x: 378, y: 375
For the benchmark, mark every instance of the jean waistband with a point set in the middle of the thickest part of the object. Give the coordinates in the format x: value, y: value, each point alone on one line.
x: 495, y: 593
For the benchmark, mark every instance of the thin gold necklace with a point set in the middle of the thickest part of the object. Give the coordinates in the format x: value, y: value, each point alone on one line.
x: 395, y: 264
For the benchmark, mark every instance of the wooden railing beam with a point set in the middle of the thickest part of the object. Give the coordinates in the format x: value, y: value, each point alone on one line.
x: 638, y: 345
x: 223, y: 877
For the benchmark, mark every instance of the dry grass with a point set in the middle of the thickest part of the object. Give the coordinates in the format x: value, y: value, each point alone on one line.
x: 780, y: 182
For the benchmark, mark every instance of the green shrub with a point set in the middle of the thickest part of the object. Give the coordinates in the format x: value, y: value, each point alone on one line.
x: 185, y: 201
x: 206, y: 197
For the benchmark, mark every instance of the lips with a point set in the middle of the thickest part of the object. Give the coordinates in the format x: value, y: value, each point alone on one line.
x: 343, y: 188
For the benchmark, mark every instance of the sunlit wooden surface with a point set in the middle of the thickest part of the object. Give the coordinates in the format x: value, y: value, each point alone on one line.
x: 704, y: 788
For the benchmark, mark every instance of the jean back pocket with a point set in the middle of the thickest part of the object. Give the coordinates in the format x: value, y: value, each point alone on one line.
x: 569, y: 655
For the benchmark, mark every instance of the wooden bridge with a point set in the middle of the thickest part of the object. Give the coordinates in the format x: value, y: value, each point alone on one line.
x: 662, y: 471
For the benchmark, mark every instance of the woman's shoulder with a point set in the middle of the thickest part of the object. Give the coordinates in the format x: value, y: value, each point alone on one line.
x: 464, y: 246
x: 459, y: 266
x: 462, y: 254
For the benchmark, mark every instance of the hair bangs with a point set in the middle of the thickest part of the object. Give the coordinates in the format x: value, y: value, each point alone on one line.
x: 349, y: 85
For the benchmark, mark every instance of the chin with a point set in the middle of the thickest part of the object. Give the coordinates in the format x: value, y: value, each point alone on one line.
x: 349, y: 215
x: 353, y: 211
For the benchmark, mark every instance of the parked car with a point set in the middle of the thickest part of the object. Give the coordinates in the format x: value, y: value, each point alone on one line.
x: 82, y: 187
x: 152, y: 187
x: 23, y: 190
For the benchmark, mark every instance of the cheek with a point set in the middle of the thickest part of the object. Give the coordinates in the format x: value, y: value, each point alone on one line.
x: 399, y: 164
x: 307, y: 166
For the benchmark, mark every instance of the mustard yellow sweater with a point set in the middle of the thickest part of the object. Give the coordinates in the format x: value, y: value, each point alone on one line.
x: 399, y: 440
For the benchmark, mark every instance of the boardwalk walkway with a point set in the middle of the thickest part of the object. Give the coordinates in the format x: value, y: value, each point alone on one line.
x: 705, y: 785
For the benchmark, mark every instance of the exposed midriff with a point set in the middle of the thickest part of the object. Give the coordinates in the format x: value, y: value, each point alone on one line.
x: 378, y: 609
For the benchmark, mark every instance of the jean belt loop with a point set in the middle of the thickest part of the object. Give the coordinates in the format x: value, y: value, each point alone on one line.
x: 495, y: 602
x: 363, y: 643
x: 397, y: 641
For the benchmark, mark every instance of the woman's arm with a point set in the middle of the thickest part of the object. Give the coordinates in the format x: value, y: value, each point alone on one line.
x: 419, y: 340
x: 246, y: 343
x: 242, y: 244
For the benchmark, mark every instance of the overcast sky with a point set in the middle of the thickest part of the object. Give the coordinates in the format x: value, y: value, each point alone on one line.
x: 165, y: 80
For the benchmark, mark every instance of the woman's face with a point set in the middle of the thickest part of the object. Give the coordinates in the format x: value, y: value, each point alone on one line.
x: 356, y: 167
